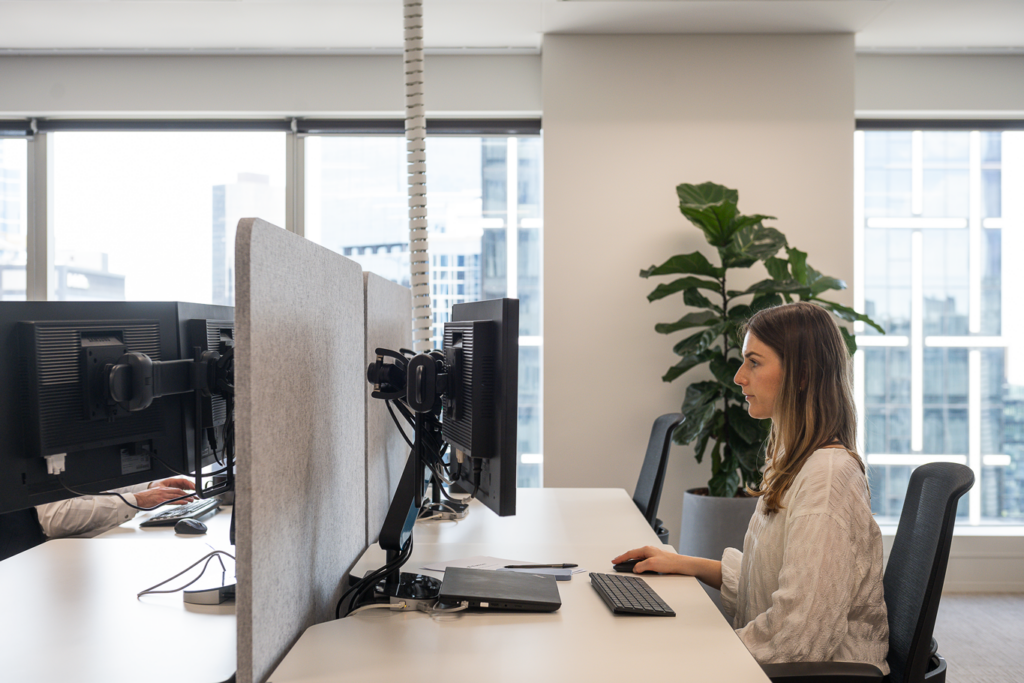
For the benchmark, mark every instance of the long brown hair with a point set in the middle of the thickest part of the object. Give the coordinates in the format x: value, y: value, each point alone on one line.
x: 814, y: 407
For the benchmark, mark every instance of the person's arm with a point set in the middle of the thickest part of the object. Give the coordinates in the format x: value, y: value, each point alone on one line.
x: 664, y: 562
x: 86, y: 514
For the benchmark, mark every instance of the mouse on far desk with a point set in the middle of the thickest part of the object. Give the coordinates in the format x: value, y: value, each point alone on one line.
x: 189, y: 526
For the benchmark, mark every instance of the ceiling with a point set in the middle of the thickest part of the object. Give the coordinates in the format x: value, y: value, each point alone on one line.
x: 315, y: 26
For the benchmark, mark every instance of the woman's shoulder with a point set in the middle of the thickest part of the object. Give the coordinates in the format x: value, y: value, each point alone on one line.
x: 829, y: 461
x: 828, y: 474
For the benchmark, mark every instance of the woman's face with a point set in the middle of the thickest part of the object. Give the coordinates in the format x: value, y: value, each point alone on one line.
x: 760, y: 377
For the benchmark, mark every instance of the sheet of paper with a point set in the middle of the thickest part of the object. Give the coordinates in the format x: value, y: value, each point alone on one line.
x: 478, y: 562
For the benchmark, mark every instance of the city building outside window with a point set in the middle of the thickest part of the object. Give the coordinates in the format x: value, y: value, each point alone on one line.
x: 939, y: 229
x: 484, y: 216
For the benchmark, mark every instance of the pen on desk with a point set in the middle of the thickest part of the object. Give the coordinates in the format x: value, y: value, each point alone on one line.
x: 541, y: 566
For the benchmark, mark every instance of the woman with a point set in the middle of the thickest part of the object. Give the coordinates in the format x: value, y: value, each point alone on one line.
x: 808, y: 584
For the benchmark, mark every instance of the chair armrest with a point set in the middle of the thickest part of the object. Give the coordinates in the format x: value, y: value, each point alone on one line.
x: 812, y: 672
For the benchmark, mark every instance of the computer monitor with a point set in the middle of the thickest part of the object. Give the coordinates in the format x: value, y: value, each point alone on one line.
x: 463, y: 403
x: 486, y: 336
x: 57, y: 409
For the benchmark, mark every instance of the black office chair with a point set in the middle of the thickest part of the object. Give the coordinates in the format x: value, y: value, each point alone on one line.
x: 647, y: 495
x: 913, y: 585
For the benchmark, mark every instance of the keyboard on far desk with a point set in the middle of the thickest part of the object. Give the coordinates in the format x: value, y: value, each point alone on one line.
x: 629, y: 595
x: 197, y: 509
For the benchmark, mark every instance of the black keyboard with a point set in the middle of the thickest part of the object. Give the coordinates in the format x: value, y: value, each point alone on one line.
x: 629, y: 595
x: 197, y: 509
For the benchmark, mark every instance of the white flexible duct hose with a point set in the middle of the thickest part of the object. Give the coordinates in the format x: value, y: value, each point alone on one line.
x: 416, y: 158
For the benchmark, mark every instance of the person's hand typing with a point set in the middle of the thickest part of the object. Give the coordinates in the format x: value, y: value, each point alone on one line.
x: 166, y: 490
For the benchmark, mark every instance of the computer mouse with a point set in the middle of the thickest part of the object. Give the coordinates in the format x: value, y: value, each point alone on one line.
x: 627, y: 566
x: 189, y: 526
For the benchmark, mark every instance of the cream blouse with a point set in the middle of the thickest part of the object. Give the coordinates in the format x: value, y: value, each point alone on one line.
x: 808, y: 584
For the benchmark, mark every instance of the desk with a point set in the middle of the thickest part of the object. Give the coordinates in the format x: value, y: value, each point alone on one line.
x: 70, y: 612
x: 582, y: 641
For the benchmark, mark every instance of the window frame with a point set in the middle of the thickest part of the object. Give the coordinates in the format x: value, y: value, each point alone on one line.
x: 975, y: 343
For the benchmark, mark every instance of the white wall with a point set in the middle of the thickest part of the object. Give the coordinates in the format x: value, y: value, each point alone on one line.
x: 940, y: 85
x: 626, y: 118
x: 253, y: 86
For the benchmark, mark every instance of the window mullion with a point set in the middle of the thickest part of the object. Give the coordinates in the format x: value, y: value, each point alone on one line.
x: 974, y: 237
x: 916, y: 342
x: 39, y: 240
x: 295, y: 183
x: 512, y: 218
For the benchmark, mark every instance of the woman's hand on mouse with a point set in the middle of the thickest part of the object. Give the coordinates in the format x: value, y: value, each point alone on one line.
x: 654, y: 560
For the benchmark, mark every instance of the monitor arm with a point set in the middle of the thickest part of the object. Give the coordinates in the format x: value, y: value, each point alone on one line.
x: 135, y: 379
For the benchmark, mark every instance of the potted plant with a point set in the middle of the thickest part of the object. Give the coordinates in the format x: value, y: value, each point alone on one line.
x: 715, y: 418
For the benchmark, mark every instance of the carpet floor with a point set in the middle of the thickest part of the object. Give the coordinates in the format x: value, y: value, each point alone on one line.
x: 982, y: 638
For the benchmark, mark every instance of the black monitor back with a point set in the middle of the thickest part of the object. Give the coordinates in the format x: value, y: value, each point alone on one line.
x: 489, y: 389
x: 44, y: 398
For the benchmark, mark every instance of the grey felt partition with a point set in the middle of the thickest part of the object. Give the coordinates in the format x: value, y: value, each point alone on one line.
x: 389, y: 326
x: 300, y: 430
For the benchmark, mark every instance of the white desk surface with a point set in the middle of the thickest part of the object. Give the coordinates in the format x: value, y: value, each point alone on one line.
x: 217, y: 535
x: 582, y: 641
x: 70, y: 614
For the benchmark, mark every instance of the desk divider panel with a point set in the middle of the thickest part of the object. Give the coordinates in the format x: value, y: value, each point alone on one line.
x: 300, y: 420
x: 388, y: 326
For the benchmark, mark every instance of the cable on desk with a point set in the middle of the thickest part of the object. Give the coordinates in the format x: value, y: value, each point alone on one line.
x: 208, y: 557
x: 380, y: 605
x: 433, y: 610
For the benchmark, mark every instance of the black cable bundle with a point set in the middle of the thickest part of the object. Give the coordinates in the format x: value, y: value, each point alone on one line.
x: 370, y: 581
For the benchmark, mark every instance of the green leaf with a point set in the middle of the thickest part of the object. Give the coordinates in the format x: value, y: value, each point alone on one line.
x: 776, y: 287
x: 753, y: 243
x: 699, y: 319
x: 749, y: 429
x: 663, y: 290
x: 706, y: 193
x: 778, y: 268
x: 693, y: 297
x: 697, y: 343
x: 850, y: 340
x: 725, y: 483
x: 716, y: 458
x: 711, y: 427
x: 819, y: 283
x: 711, y: 208
x: 687, y: 364
x: 683, y: 264
x: 749, y: 458
x: 847, y: 313
x: 740, y: 313
x: 698, y: 408
x: 763, y: 301
x: 798, y: 262
x: 724, y: 370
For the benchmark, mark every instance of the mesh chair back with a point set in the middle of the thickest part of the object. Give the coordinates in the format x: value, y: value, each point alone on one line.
x: 647, y: 495
x: 917, y: 565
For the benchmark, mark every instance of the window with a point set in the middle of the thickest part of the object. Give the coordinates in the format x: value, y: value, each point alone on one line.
x: 483, y: 194
x: 936, y: 222
x: 151, y: 216
x: 13, y: 219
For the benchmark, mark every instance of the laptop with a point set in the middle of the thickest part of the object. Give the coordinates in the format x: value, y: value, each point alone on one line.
x: 500, y: 590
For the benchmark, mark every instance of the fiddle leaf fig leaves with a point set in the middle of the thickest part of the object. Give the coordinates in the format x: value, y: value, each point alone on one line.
x: 683, y: 283
x: 685, y: 264
x: 700, y: 319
